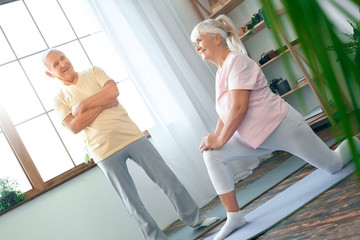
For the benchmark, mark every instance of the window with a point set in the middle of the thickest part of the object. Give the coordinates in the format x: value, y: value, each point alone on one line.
x: 36, y: 149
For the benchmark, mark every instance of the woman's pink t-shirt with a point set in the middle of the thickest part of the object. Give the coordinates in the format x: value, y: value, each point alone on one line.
x: 266, y: 109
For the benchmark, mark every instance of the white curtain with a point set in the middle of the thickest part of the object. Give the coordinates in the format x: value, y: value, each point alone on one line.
x: 175, y: 83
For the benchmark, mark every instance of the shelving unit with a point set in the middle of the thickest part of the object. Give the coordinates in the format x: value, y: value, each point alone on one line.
x: 258, y: 27
x: 316, y: 118
x: 278, y: 56
x: 298, y: 86
x: 227, y: 7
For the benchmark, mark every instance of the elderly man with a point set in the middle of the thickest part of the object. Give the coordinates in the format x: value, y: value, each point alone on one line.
x: 87, y: 103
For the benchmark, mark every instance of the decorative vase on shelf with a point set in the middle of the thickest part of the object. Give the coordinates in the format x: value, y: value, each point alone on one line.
x: 283, y: 87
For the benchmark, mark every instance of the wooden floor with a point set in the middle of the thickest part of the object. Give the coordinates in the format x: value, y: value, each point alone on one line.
x: 333, y: 215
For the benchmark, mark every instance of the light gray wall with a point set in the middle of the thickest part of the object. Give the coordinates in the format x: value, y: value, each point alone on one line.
x: 185, y: 13
x: 85, y: 207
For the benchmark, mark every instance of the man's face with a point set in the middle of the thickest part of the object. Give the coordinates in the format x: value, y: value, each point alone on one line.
x: 60, y: 67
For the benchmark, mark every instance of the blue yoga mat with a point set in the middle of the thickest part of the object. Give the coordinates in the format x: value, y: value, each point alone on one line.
x: 247, y: 194
x: 286, y: 202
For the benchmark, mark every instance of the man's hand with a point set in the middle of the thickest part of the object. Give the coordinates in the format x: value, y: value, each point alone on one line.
x: 211, y: 142
x: 78, y: 109
x: 105, y: 98
x: 77, y: 123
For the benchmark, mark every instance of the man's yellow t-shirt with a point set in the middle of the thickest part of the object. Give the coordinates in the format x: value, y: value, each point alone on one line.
x: 112, y: 130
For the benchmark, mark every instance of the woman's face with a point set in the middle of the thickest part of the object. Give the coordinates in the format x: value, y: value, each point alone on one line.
x: 205, y: 46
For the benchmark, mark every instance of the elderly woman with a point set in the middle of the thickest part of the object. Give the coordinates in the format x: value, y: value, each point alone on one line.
x: 252, y: 120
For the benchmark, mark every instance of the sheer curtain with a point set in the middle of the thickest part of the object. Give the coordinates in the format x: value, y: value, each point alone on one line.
x: 174, y: 82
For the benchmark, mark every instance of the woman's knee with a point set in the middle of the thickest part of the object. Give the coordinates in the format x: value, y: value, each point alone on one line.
x: 211, y: 158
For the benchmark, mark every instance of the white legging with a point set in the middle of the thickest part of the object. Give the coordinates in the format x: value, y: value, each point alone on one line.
x: 293, y: 135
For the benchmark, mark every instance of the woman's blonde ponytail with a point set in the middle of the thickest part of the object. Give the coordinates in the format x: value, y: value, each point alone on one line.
x: 233, y: 41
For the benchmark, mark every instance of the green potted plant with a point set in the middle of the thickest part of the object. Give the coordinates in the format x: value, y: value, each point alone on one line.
x: 9, y: 195
x: 255, y: 19
x: 272, y: 84
x: 316, y: 32
x: 353, y: 46
x: 279, y: 85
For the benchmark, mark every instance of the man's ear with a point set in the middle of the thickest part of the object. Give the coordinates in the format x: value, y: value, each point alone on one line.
x: 49, y: 74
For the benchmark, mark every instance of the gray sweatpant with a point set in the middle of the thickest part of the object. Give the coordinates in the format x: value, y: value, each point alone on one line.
x: 146, y: 156
x: 292, y: 135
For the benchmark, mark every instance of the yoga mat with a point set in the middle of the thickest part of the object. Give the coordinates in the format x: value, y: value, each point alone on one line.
x: 246, y: 195
x: 286, y: 202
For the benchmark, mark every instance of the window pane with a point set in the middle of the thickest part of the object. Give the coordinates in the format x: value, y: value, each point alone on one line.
x: 20, y: 29
x: 73, y: 142
x: 51, y: 22
x: 6, y: 54
x: 81, y: 16
x: 132, y: 101
x: 102, y: 55
x: 26, y: 92
x: 17, y: 95
x: 10, y: 167
x: 45, y: 87
x: 44, y: 147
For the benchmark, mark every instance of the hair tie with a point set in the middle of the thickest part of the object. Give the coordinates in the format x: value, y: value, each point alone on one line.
x: 214, y: 30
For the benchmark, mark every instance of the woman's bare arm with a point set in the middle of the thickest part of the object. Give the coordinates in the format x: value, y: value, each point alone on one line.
x: 239, y: 106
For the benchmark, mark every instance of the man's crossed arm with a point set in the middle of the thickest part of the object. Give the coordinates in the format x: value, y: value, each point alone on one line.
x: 88, y: 109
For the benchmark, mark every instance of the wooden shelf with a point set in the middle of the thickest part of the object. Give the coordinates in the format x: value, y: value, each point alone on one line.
x: 316, y: 119
x: 278, y: 56
x: 227, y: 7
x: 315, y: 115
x: 298, y: 86
x: 257, y: 28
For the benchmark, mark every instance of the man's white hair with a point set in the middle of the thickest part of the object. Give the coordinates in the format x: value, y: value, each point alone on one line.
x: 45, y: 54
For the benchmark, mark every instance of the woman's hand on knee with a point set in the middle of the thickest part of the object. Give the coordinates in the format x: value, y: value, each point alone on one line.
x: 210, y: 142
